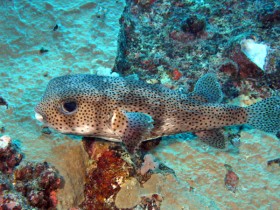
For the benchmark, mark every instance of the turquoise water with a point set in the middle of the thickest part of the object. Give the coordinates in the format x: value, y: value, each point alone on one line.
x: 172, y: 43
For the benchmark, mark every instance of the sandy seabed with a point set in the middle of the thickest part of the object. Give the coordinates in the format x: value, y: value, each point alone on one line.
x: 86, y: 42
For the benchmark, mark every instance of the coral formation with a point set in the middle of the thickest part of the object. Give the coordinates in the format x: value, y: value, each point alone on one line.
x: 113, y: 180
x: 176, y: 74
x: 183, y: 39
x: 148, y: 164
x: 10, y: 156
x: 128, y: 196
x: 31, y: 185
x: 104, y: 177
x: 44, y: 180
x: 151, y: 202
x: 9, y: 198
x: 246, y: 68
x: 231, y: 179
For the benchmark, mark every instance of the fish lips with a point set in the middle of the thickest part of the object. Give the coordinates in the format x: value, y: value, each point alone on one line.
x: 39, y: 117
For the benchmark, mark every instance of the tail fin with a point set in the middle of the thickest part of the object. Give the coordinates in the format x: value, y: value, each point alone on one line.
x: 265, y: 115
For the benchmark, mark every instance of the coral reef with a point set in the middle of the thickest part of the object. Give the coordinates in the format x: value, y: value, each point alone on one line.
x: 113, y: 177
x: 193, y: 37
x: 38, y: 182
x: 104, y: 176
x: 9, y: 198
x: 10, y: 156
x: 31, y: 185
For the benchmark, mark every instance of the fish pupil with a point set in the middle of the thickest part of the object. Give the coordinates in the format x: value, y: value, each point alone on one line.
x: 70, y: 106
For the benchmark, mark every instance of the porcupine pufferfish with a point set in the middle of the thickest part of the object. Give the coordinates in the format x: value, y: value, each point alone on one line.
x: 131, y: 111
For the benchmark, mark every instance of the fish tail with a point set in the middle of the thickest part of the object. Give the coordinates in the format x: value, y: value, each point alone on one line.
x: 265, y: 115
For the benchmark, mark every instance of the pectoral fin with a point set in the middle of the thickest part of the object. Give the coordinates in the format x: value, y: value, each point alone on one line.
x: 132, y: 127
x: 214, y: 138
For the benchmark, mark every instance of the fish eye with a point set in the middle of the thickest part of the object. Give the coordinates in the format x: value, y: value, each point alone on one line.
x: 69, y: 106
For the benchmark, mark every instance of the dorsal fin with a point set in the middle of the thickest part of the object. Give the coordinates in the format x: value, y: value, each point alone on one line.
x: 207, y: 90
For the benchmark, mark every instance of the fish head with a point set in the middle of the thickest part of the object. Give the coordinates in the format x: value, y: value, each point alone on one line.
x: 68, y: 105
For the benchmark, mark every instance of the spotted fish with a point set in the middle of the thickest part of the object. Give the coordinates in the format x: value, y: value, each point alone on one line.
x: 131, y: 111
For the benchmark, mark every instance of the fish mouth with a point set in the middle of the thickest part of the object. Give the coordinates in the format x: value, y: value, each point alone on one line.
x: 39, y: 117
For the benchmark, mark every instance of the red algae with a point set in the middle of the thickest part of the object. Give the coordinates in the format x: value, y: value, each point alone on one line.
x: 103, y: 181
x: 176, y: 74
